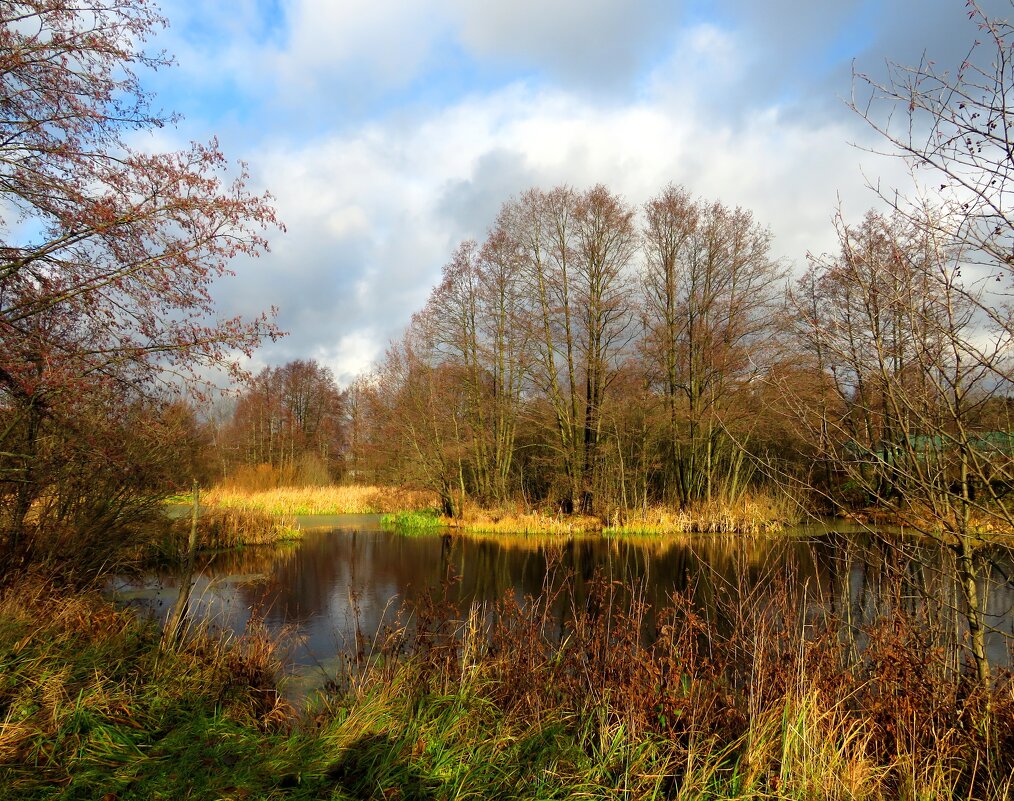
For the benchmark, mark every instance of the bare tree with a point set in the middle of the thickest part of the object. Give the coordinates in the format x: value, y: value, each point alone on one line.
x: 955, y: 128
x: 710, y: 289
x: 542, y: 225
x: 606, y: 245
x: 915, y: 359
x: 420, y: 416
x: 575, y: 251
x: 507, y: 338
x: 291, y: 418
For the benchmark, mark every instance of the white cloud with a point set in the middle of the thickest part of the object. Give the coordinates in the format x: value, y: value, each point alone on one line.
x: 385, y: 41
x: 375, y: 205
x: 593, y: 43
x: 373, y: 215
x: 350, y: 357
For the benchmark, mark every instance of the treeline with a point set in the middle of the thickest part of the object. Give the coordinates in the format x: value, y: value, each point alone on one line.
x: 596, y: 357
x: 587, y: 354
x: 287, y: 427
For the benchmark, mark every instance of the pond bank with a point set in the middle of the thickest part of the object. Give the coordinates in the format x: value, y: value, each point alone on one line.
x: 749, y: 514
x: 508, y: 707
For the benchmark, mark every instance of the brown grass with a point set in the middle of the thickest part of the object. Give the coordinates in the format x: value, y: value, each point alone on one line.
x: 219, y: 529
x: 523, y: 522
x: 765, y: 699
x: 756, y: 514
x: 329, y: 500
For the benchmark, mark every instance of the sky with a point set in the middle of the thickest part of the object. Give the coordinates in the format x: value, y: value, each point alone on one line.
x: 390, y: 130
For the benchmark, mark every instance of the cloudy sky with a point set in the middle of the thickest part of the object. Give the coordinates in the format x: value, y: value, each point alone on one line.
x: 390, y: 130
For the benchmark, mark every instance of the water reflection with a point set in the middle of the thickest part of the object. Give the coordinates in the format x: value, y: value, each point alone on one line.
x: 350, y: 571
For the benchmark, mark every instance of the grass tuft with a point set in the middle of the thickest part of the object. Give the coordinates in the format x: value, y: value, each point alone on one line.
x: 221, y: 529
x: 413, y: 522
x: 749, y: 515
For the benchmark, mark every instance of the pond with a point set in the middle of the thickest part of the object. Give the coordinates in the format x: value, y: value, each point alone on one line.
x: 348, y: 572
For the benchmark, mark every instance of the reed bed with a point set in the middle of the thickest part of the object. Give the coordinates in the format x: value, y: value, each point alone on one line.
x: 747, y: 515
x: 221, y: 529
x: 327, y: 500
x: 759, y: 514
x: 485, y: 521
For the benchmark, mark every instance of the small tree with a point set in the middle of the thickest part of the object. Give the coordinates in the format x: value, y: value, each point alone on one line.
x: 955, y: 128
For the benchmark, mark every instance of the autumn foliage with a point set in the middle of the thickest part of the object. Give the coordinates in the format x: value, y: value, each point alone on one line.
x: 108, y: 251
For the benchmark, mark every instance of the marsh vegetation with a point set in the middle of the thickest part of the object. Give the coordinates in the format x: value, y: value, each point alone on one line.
x: 608, y: 379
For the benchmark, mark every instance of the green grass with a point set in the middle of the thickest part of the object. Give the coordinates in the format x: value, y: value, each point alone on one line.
x: 412, y: 522
x: 93, y: 704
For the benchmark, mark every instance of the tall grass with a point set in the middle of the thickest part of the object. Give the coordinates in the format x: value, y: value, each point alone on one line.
x: 522, y: 521
x: 762, y: 699
x: 326, y: 500
x: 219, y: 529
x: 92, y: 706
x: 748, y: 514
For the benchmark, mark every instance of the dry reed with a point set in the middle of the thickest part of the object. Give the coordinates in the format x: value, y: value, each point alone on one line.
x: 329, y: 500
x: 759, y: 514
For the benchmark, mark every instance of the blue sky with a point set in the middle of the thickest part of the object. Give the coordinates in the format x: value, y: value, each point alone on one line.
x: 389, y: 130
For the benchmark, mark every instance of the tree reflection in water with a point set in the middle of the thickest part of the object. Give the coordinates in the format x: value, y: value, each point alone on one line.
x: 317, y: 591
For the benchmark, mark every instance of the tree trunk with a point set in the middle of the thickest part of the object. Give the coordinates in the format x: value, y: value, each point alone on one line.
x: 968, y: 574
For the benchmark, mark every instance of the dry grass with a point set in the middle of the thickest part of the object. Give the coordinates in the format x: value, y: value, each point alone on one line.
x: 522, y: 522
x: 750, y: 515
x: 220, y: 529
x: 764, y: 700
x: 350, y: 499
x: 758, y: 514
x: 749, y: 705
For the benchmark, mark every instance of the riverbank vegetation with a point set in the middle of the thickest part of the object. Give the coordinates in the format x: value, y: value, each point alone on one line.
x: 321, y: 500
x: 592, y: 362
x: 422, y: 521
x: 218, y: 530
x: 766, y: 699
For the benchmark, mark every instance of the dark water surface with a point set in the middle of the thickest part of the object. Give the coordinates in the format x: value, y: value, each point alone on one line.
x: 347, y: 569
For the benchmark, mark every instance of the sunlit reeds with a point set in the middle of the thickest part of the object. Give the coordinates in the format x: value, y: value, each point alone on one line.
x: 749, y: 514
x: 220, y: 529
x: 327, y: 500
x: 523, y: 522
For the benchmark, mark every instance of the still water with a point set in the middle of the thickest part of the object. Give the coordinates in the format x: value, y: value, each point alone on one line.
x: 348, y: 572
